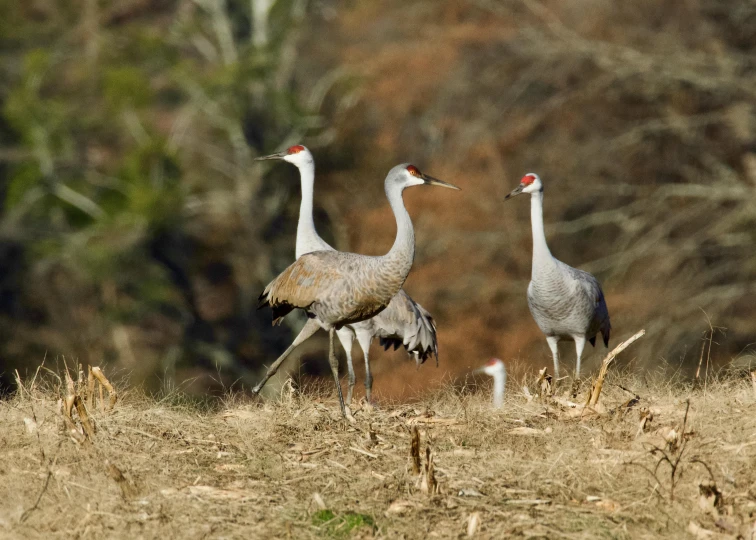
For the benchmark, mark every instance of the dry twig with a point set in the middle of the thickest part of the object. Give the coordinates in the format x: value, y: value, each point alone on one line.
x: 127, y: 487
x: 472, y: 523
x: 645, y: 418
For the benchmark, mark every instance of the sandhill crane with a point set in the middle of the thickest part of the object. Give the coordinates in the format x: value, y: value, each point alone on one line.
x: 403, y: 322
x: 564, y: 301
x: 340, y: 288
x: 495, y: 368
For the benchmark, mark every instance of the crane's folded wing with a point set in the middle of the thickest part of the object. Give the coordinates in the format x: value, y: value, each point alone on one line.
x: 302, y: 283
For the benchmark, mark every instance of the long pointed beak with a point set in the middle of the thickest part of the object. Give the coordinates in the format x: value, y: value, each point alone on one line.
x: 429, y: 180
x: 278, y: 155
x: 516, y: 191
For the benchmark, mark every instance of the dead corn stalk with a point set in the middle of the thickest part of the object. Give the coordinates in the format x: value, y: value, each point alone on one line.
x: 96, y: 374
x: 596, y: 390
x: 426, y: 474
x: 415, y: 450
x: 78, y: 396
x: 544, y: 384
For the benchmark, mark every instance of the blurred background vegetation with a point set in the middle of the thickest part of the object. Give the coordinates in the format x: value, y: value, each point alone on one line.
x: 137, y: 231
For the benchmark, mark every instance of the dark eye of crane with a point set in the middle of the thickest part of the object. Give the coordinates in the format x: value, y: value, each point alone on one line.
x: 295, y: 149
x: 413, y: 170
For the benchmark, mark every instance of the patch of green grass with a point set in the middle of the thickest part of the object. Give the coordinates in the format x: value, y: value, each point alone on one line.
x: 342, y: 525
x: 323, y: 516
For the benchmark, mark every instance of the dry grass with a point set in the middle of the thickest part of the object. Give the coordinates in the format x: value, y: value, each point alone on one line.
x: 235, y: 468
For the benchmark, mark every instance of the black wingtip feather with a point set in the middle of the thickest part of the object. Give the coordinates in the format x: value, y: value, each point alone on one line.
x: 280, y: 311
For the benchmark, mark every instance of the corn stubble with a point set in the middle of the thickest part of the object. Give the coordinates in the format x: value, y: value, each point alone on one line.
x: 646, y: 457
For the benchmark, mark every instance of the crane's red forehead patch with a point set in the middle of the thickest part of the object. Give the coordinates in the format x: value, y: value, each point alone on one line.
x: 295, y: 149
x: 528, y: 179
x: 492, y: 362
x: 413, y: 170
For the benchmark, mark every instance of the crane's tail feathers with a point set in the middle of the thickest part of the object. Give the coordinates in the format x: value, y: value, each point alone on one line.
x: 592, y: 341
x: 419, y: 353
x: 389, y: 343
x: 606, y: 329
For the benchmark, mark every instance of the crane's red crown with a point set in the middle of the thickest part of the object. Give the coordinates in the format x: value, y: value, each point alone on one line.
x: 528, y: 179
x: 492, y: 362
x: 295, y: 149
x: 413, y: 170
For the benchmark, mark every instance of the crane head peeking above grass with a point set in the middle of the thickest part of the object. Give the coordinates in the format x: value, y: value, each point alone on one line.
x: 495, y: 368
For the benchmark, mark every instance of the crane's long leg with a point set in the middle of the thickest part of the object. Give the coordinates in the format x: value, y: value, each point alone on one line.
x: 335, y: 369
x: 307, y: 331
x: 346, y: 337
x: 552, y: 341
x: 365, y: 338
x: 579, y: 345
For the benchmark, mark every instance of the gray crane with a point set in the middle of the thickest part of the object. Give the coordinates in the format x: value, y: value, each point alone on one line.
x: 564, y: 301
x: 340, y: 288
x: 403, y: 322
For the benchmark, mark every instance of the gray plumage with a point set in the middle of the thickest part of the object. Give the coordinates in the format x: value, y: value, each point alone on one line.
x: 565, y: 302
x: 402, y: 323
x: 340, y: 288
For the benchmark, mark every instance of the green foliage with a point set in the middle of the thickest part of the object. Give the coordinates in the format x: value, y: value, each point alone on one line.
x: 130, y: 164
x: 26, y: 176
x: 125, y: 87
x: 323, y: 516
x: 342, y: 525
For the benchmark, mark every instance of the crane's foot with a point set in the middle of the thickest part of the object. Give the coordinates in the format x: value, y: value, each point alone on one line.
x: 367, y: 405
x: 346, y: 412
x: 575, y: 388
x: 348, y: 415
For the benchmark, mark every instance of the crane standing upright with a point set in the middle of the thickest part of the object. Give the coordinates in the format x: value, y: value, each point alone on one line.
x: 564, y: 301
x: 340, y: 288
x: 403, y: 322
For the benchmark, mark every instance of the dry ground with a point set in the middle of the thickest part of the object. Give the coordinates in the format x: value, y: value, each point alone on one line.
x: 236, y: 468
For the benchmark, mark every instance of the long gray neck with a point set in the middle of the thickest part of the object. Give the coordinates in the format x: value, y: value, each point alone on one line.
x: 542, y: 258
x: 402, y: 253
x: 500, y: 381
x: 308, y: 239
